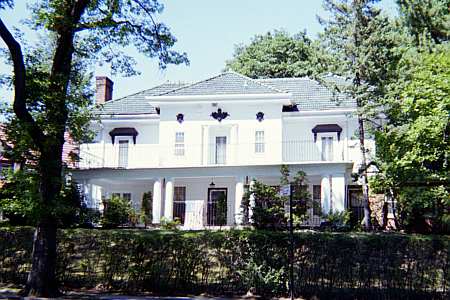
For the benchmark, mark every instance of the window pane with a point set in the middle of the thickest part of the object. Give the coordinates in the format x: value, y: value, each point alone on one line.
x: 123, y: 154
x: 221, y: 150
x: 127, y: 196
x: 179, y: 137
x: 179, y: 194
x: 115, y: 195
x: 179, y: 149
x: 317, y: 194
x: 259, y: 141
x: 327, y: 148
x: 179, y: 203
x: 179, y: 143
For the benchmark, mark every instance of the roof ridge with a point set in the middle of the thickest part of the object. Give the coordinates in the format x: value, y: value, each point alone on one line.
x: 255, y: 81
x: 142, y: 91
x: 285, y: 78
x: 192, y: 84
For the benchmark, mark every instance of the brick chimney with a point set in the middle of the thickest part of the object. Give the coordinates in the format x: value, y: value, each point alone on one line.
x: 103, y: 90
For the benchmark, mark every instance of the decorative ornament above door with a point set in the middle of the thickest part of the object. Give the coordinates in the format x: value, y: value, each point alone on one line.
x: 219, y: 115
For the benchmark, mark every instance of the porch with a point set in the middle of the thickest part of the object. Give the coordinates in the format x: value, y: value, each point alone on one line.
x: 205, y: 197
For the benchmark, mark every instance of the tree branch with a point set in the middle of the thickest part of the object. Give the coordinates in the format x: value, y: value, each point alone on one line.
x: 19, y: 105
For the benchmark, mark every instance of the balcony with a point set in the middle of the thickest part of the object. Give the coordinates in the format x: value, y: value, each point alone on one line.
x: 193, y: 155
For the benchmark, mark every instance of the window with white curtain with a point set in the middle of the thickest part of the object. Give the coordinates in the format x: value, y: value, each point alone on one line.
x: 123, y: 153
x: 327, y: 148
x: 259, y: 141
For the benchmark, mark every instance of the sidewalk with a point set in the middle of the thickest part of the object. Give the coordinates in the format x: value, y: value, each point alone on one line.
x: 9, y: 293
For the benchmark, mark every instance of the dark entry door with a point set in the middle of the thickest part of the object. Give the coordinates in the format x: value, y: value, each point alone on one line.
x: 217, y: 207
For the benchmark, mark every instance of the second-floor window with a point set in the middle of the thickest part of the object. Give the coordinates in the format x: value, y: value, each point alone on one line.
x: 259, y: 141
x: 179, y: 143
x: 123, y: 153
x: 327, y: 148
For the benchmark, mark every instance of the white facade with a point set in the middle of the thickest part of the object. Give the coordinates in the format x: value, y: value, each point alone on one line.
x: 177, y: 160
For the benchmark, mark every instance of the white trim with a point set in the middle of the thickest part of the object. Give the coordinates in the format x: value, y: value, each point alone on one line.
x: 284, y: 98
x: 329, y: 112
x: 132, y: 118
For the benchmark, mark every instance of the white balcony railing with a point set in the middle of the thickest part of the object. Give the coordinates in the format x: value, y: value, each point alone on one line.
x: 153, y: 156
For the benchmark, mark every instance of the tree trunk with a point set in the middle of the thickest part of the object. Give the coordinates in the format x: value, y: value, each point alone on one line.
x: 365, y: 184
x: 42, y: 277
x: 42, y: 280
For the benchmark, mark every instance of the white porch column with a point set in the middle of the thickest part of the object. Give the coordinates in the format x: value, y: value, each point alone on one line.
x: 338, y: 187
x: 325, y: 194
x: 252, y: 202
x: 157, y: 202
x: 168, y: 200
x: 239, y: 193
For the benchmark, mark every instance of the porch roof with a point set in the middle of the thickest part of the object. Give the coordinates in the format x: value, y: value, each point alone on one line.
x: 310, y: 168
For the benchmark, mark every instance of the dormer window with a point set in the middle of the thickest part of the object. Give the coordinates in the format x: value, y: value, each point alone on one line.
x: 123, y: 131
x: 327, y: 128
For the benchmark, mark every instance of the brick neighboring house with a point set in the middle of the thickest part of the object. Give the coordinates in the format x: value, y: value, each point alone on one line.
x: 70, y: 150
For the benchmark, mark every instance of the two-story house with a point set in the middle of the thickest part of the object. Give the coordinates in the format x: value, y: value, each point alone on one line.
x: 192, y: 145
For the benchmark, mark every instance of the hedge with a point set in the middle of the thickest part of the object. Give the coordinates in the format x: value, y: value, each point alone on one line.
x: 232, y: 262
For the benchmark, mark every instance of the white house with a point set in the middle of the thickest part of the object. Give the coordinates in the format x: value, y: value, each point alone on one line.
x: 191, y: 144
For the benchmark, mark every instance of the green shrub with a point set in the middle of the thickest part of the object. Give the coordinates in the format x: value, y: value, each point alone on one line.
x: 270, y: 209
x: 167, y: 224
x: 117, y: 212
x: 146, y: 208
x: 326, y: 265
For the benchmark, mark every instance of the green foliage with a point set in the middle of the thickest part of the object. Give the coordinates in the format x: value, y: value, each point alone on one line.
x: 221, y: 210
x: 326, y: 265
x: 277, y: 54
x: 413, y: 148
x: 269, y: 210
x: 146, y: 208
x: 338, y: 221
x: 18, y: 197
x: 19, y: 201
x: 171, y: 225
x: 426, y: 19
x: 117, y: 212
x: 368, y: 46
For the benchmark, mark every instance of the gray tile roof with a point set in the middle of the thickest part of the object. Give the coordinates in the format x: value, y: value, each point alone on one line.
x: 307, y: 93
x: 136, y: 103
x: 227, y: 83
x: 310, y: 95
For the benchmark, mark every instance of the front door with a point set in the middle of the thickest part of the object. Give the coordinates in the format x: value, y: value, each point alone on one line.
x: 217, y: 207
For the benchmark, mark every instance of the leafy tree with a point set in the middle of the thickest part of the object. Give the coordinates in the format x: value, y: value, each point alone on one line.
x: 82, y: 32
x: 19, y: 197
x: 277, y: 54
x: 366, y: 42
x: 426, y: 19
x: 413, y: 147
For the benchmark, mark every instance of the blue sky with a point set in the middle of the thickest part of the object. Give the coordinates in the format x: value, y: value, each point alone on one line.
x: 207, y: 30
